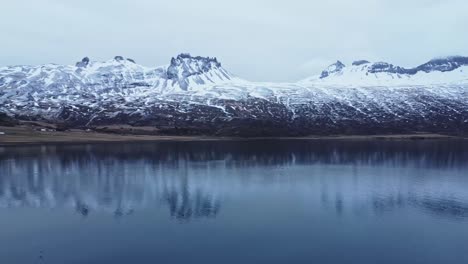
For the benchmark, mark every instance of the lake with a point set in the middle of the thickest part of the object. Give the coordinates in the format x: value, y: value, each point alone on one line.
x: 264, y: 201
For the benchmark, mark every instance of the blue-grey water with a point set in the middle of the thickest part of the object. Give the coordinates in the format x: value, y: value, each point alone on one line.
x: 287, y: 201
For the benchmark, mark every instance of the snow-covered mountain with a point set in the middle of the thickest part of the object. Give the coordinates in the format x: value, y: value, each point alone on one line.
x: 364, y: 73
x: 197, y: 95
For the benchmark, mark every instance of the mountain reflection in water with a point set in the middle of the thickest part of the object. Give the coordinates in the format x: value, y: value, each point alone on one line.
x: 193, y: 180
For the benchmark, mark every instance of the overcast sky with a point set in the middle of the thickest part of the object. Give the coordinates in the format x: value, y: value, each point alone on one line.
x: 255, y: 39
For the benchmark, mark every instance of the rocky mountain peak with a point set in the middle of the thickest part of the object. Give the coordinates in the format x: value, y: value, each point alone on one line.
x: 388, y: 67
x: 205, y: 63
x: 186, y: 68
x: 83, y: 63
x: 443, y: 64
x: 185, y: 65
x: 334, y: 68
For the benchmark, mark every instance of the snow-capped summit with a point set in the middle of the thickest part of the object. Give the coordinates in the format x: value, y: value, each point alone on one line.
x: 119, y: 75
x: 364, y: 73
x: 334, y: 68
x: 186, y: 70
x: 443, y: 64
x: 194, y: 94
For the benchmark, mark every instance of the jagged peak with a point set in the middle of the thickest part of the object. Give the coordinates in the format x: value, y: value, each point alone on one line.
x: 186, y: 57
x: 83, y: 63
x: 186, y: 68
x: 443, y: 64
x: 186, y: 65
x: 333, y: 68
x: 382, y: 66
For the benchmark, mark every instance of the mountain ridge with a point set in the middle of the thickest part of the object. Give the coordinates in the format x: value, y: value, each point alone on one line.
x: 196, y: 95
x: 442, y: 64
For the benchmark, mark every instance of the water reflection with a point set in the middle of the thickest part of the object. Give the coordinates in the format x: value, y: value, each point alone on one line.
x: 193, y: 180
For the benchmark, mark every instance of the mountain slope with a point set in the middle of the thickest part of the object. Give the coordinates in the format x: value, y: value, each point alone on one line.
x: 196, y: 95
x: 364, y: 73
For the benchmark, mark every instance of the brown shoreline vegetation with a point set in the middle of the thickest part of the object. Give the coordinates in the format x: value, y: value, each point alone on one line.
x: 26, y: 134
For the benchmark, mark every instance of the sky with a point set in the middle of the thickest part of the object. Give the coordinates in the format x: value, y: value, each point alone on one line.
x: 258, y: 40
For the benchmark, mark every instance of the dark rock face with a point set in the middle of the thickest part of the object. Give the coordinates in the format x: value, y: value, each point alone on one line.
x: 83, y: 63
x: 5, y: 120
x: 336, y: 67
x: 185, y: 66
x: 203, y: 60
x: 387, y: 67
x: 443, y: 64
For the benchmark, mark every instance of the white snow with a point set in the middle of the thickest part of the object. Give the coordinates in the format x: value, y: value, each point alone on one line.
x: 124, y: 84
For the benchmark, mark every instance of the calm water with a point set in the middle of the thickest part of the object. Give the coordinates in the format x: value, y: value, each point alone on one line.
x: 235, y: 202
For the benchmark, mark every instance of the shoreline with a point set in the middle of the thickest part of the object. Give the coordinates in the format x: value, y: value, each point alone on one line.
x: 23, y: 136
